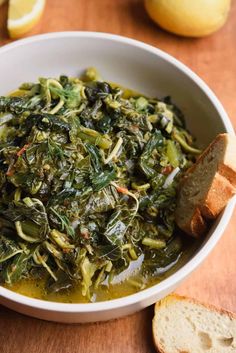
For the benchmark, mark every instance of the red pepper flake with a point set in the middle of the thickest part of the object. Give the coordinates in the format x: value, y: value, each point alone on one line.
x: 167, y: 170
x: 122, y: 190
x: 10, y: 171
x: 22, y: 150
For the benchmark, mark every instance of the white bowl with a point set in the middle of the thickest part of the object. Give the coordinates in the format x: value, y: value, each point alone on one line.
x: 145, y: 69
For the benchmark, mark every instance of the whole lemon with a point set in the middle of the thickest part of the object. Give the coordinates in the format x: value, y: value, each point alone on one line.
x: 191, y: 18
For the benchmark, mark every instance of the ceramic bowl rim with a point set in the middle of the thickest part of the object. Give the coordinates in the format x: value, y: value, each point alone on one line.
x: 200, y: 255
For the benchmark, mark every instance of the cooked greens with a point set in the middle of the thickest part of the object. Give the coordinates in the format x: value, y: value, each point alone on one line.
x: 88, y: 179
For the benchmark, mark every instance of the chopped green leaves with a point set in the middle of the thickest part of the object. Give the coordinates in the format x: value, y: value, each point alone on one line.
x: 88, y: 183
x: 103, y: 179
x: 8, y: 248
x: 147, y: 159
x: 16, y: 269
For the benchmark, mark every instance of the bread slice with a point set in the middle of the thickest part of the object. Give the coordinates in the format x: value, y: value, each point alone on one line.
x: 184, y: 325
x: 207, y: 186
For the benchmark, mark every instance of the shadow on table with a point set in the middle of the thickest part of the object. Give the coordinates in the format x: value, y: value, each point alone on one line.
x: 22, y: 334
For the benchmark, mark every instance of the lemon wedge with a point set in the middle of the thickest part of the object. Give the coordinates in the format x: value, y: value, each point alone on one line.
x: 190, y: 18
x: 23, y: 15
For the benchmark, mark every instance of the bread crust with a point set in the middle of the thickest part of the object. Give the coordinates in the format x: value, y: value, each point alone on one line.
x: 172, y: 298
x: 197, y: 225
x: 228, y: 172
x: 219, y: 194
x: 223, y: 187
x: 176, y: 297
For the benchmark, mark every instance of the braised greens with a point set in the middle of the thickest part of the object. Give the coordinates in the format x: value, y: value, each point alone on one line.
x: 88, y: 179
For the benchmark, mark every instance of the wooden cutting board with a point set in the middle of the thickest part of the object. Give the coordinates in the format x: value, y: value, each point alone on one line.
x: 214, y: 59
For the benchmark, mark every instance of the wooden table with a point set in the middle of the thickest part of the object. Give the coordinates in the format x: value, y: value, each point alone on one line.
x: 214, y: 59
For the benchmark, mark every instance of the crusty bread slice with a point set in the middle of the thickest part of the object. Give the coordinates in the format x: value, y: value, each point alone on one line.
x: 207, y: 186
x: 184, y: 325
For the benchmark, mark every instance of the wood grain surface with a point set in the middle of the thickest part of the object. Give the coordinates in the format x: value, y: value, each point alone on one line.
x: 214, y: 59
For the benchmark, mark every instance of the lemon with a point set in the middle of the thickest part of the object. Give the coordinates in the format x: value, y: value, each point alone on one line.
x: 23, y: 15
x: 191, y: 18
